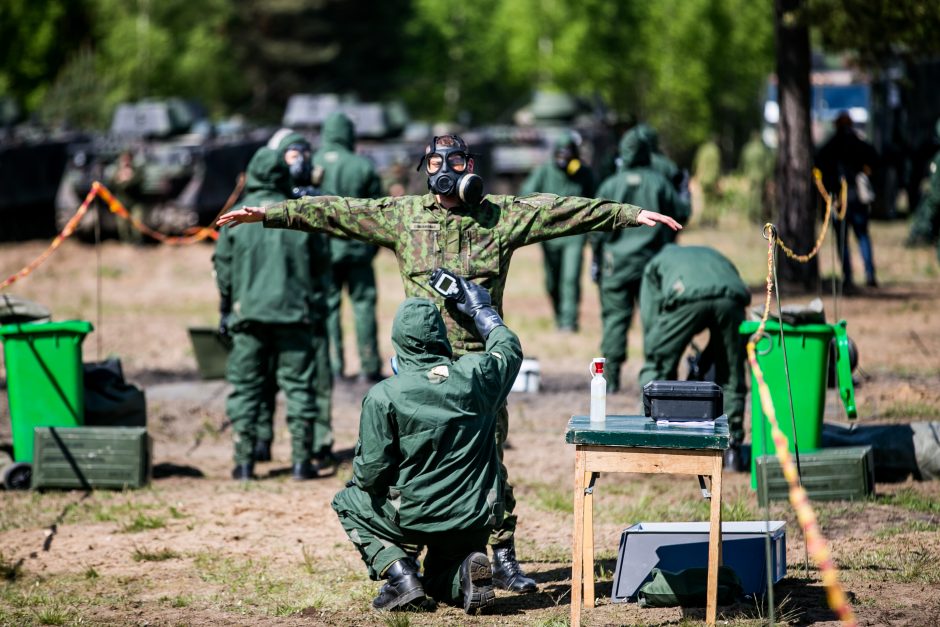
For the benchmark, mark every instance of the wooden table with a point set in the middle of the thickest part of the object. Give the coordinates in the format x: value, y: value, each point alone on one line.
x: 638, y: 444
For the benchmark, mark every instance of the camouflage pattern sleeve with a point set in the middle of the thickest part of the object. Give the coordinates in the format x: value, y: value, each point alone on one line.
x: 540, y: 217
x: 374, y: 221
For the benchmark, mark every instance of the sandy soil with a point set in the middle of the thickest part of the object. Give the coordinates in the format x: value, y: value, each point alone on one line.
x: 196, y: 548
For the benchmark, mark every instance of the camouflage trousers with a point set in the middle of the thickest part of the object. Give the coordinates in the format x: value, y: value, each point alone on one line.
x: 290, y: 351
x: 506, y: 530
x: 370, y: 524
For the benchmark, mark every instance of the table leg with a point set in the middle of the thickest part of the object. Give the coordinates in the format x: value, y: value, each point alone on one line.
x: 714, y: 544
x: 577, y: 544
x: 588, y: 541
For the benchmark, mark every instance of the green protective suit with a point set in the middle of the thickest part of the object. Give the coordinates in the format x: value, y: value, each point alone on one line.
x: 474, y: 241
x: 925, y: 224
x: 563, y: 256
x: 658, y: 161
x: 707, y: 171
x: 622, y: 255
x: 277, y: 282
x: 426, y: 470
x: 348, y: 174
x: 685, y: 290
x: 757, y: 166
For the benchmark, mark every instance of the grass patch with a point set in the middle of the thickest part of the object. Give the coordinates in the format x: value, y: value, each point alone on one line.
x: 143, y: 522
x: 910, y: 526
x: 90, y: 573
x: 143, y: 555
x: 911, y: 500
x: 551, y: 498
x: 915, y: 563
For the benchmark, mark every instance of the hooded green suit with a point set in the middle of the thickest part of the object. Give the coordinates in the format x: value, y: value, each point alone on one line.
x: 426, y: 470
x: 563, y: 256
x: 347, y: 174
x: 687, y: 289
x: 624, y: 254
x: 277, y: 284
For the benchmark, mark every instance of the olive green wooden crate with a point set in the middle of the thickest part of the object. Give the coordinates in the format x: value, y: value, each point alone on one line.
x: 91, y: 457
x: 829, y: 474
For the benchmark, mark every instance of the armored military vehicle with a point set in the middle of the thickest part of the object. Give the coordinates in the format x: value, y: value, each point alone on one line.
x: 164, y: 161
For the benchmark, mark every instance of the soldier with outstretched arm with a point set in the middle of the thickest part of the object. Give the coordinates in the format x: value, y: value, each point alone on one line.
x: 456, y: 227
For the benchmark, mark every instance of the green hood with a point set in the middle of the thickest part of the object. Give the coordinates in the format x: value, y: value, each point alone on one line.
x: 648, y: 133
x: 338, y: 129
x: 419, y: 336
x: 634, y: 149
x: 267, y: 172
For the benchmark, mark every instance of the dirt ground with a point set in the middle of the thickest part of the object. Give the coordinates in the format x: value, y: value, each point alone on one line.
x: 196, y: 548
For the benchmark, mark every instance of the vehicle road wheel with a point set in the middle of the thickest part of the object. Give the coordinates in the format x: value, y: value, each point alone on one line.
x: 17, y: 476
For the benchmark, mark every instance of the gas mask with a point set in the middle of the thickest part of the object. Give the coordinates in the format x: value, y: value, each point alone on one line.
x: 566, y: 160
x: 448, y: 169
x: 302, y: 175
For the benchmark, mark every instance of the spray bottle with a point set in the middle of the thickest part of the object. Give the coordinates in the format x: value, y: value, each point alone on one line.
x: 598, y: 391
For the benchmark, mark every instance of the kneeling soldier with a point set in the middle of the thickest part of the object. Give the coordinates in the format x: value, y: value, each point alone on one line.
x: 426, y: 471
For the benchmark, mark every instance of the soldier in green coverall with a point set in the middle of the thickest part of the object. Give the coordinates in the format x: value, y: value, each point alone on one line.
x: 685, y: 290
x: 622, y: 255
x: 347, y: 174
x: 426, y: 472
x: 276, y: 283
x: 457, y: 228
x: 925, y: 223
x: 564, y: 176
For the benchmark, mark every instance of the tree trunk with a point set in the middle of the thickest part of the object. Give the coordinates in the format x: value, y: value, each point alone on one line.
x: 796, y: 200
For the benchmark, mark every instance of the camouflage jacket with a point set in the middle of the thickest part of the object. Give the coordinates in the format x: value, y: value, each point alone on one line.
x: 475, y: 242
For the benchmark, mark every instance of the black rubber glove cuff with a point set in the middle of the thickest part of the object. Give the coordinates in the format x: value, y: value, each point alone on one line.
x: 486, y: 319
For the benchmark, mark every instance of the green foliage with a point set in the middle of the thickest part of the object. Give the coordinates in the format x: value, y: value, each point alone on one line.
x: 878, y: 31
x: 142, y: 522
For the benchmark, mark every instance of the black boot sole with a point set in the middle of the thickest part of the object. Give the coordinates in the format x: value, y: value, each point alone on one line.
x: 480, y: 594
x: 411, y: 597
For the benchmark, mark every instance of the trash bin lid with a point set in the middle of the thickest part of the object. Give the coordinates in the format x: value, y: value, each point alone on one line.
x: 82, y: 327
x: 749, y: 327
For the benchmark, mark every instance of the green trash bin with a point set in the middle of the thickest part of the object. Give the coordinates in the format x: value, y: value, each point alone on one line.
x: 808, y: 348
x: 45, y: 382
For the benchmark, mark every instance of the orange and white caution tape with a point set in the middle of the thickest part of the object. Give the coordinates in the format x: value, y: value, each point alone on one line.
x: 98, y: 190
x: 194, y: 235
x: 61, y: 237
x: 816, y: 544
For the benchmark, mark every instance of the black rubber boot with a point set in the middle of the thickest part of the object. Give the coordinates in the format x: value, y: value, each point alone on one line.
x: 507, y: 574
x: 476, y: 583
x: 301, y: 471
x: 401, y: 588
x: 243, y: 472
x: 262, y: 452
x: 324, y: 457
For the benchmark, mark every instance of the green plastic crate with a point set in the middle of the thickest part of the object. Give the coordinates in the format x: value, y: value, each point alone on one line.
x: 829, y: 474
x: 91, y: 457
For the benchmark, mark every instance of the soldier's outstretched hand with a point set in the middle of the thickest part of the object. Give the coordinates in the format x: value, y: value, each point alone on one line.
x: 239, y: 216
x: 651, y: 218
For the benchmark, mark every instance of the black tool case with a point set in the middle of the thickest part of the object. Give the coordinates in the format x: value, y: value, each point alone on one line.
x: 682, y: 400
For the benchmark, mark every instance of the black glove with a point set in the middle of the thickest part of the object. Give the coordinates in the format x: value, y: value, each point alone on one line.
x: 475, y: 302
x: 595, y: 270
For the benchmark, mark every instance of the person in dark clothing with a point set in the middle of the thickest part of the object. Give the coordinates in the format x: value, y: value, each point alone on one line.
x: 847, y: 156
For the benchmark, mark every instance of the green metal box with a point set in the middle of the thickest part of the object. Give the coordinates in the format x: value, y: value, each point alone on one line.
x: 91, y: 457
x: 829, y: 474
x: 211, y: 352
